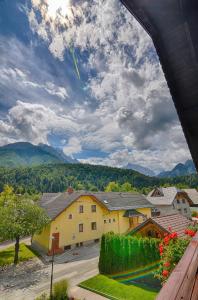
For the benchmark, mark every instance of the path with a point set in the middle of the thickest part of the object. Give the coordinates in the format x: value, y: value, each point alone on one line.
x: 32, y: 279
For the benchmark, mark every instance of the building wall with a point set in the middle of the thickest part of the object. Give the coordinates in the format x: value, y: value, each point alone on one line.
x: 42, y: 240
x: 177, y: 207
x: 68, y: 228
x: 151, y: 230
x: 183, y: 208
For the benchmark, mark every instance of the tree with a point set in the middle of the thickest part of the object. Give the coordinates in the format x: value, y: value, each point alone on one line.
x: 127, y: 187
x: 112, y: 187
x: 19, y: 217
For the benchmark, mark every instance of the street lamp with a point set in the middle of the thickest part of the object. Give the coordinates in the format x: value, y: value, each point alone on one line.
x: 52, y: 261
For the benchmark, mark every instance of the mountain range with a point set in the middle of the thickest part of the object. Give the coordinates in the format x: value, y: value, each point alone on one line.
x: 26, y: 154
x: 140, y: 169
x: 180, y: 169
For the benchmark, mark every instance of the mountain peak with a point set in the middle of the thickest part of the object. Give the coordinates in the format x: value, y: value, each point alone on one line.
x: 27, y: 154
x: 180, y: 170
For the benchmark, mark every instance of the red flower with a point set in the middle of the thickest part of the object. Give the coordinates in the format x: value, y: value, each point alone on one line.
x: 191, y: 233
x: 165, y: 234
x: 165, y: 273
x: 166, y: 240
x: 186, y: 231
x: 173, y: 235
x: 170, y: 228
x: 167, y: 264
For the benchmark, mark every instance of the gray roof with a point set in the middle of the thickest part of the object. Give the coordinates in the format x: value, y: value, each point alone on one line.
x: 193, y: 195
x: 54, y: 204
x: 167, y: 198
x: 132, y: 213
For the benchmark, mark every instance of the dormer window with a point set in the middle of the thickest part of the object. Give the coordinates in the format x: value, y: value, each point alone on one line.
x: 70, y: 216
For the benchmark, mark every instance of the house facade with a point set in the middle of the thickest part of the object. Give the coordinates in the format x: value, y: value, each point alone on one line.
x: 78, y: 218
x: 193, y: 195
x: 170, y: 200
x: 159, y: 226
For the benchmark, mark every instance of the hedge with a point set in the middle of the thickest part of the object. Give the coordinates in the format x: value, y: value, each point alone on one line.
x: 119, y: 253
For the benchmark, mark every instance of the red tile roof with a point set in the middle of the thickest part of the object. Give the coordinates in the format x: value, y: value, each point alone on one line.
x: 176, y: 222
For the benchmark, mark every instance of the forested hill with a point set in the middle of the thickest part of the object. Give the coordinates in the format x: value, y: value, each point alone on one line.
x: 57, y: 177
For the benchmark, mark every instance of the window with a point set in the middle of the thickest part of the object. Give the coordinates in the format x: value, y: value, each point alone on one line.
x: 185, y: 210
x: 114, y: 220
x: 80, y: 227
x: 93, y: 226
x: 93, y: 208
x: 183, y: 201
x: 178, y: 201
x: 105, y: 221
x: 109, y: 220
x: 179, y: 210
x: 70, y: 216
x: 81, y: 210
x: 67, y: 247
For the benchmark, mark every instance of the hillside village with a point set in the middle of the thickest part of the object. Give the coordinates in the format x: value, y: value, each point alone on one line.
x: 98, y: 150
x: 78, y: 218
x: 80, y: 223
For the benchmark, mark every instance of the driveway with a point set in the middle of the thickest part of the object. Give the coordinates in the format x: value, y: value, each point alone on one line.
x: 32, y: 278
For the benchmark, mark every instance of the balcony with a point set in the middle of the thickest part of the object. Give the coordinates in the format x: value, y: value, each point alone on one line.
x: 183, y: 281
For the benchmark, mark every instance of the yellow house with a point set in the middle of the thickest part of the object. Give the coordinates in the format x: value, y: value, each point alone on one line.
x: 78, y: 218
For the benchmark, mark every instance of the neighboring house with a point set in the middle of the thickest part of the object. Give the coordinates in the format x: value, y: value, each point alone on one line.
x: 193, y: 195
x: 170, y: 200
x: 82, y: 217
x: 157, y: 227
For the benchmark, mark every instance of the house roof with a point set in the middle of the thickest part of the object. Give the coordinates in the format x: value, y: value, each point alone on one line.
x: 132, y: 213
x: 177, y: 222
x: 54, y: 204
x: 193, y: 195
x: 167, y: 198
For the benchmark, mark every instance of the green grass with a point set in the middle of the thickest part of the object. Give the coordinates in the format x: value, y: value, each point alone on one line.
x: 7, y: 255
x: 114, y: 290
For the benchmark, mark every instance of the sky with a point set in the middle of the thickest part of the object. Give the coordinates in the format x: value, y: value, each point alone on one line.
x: 83, y: 76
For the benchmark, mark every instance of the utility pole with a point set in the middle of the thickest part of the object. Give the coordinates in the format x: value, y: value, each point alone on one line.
x: 52, y: 270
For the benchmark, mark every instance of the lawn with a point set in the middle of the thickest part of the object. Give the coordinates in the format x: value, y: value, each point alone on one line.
x: 114, y: 290
x: 7, y: 255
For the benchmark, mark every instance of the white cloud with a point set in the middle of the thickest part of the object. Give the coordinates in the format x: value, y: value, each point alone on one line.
x: 73, y: 146
x: 134, y: 109
x: 33, y: 123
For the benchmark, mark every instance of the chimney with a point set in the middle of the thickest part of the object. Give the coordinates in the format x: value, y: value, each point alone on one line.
x: 70, y: 190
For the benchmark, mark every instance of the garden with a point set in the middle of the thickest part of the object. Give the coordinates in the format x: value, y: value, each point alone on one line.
x: 134, y: 267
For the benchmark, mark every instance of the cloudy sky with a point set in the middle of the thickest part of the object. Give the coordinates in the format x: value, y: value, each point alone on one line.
x: 84, y: 76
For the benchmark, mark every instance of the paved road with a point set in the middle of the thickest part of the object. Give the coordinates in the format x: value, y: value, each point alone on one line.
x: 7, y: 244
x: 30, y: 282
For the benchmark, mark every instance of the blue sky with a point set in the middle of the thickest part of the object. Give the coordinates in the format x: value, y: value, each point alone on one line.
x: 84, y: 76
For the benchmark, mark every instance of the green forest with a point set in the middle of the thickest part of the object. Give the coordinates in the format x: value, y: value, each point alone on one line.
x: 57, y: 178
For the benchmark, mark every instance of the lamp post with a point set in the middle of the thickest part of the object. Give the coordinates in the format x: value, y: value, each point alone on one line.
x: 52, y: 261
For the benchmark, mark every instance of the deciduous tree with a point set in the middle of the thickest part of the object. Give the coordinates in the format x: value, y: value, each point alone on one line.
x: 19, y: 217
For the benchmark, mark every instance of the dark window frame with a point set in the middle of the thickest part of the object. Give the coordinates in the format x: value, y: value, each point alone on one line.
x: 81, y: 227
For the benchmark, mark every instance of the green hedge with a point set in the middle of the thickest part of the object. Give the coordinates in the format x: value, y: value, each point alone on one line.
x: 120, y: 253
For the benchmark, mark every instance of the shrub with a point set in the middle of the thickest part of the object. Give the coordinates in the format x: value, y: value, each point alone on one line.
x: 42, y: 297
x: 60, y: 290
x: 120, y: 253
x: 171, y: 250
x: 194, y: 213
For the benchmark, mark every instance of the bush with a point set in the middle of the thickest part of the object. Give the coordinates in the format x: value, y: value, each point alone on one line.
x: 60, y: 290
x: 171, y: 250
x: 42, y: 297
x: 194, y: 213
x: 120, y: 253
